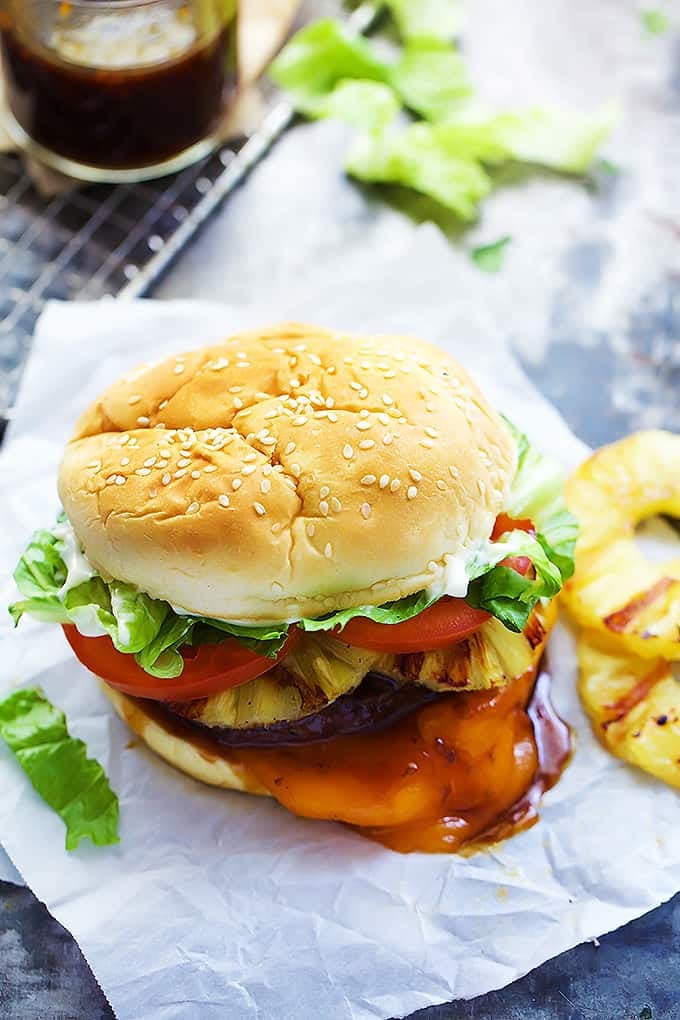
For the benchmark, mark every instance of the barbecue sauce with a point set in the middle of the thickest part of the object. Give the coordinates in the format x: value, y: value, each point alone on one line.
x: 119, y: 103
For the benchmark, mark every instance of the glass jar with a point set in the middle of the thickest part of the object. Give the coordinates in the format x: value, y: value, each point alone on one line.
x: 114, y: 90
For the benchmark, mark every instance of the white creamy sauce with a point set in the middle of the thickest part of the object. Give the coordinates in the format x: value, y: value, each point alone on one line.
x: 78, y: 567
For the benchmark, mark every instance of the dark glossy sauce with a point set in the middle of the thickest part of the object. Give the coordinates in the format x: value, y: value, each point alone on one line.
x: 123, y: 116
x: 461, y: 772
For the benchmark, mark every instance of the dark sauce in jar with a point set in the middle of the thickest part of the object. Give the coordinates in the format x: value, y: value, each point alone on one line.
x: 119, y: 99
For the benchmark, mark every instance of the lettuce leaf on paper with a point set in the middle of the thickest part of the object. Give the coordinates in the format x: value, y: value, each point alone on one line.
x: 431, y: 79
x: 137, y: 624
x: 57, y: 765
x: 427, y: 19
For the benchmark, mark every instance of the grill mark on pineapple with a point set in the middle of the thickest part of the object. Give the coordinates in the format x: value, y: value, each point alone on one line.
x: 620, y: 708
x: 620, y: 620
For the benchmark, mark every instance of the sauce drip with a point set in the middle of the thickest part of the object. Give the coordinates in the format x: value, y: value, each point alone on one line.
x: 470, y: 767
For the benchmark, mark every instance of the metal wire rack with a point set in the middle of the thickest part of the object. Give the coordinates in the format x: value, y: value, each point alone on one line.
x: 110, y: 240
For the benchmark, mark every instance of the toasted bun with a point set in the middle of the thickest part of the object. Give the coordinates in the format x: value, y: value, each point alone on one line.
x: 287, y: 472
x: 185, y: 755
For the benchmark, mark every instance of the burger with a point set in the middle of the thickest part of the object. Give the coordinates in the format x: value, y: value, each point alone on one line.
x: 319, y: 567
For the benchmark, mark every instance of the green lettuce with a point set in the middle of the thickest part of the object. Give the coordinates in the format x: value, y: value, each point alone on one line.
x: 57, y: 765
x: 489, y: 257
x: 363, y: 104
x: 430, y: 78
x: 137, y: 624
x: 390, y: 612
x: 427, y: 19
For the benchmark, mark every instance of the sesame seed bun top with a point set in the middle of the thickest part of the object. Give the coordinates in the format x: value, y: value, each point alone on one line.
x: 286, y: 472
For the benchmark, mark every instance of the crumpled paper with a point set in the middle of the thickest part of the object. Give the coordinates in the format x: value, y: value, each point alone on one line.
x: 221, y: 905
x: 263, y: 26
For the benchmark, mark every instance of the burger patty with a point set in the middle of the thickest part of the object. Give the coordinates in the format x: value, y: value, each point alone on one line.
x: 377, y: 703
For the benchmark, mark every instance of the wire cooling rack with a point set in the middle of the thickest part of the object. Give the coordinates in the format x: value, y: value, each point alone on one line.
x: 111, y: 240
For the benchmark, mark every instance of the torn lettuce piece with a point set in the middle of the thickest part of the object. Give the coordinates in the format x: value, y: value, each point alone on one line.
x: 318, y: 57
x: 431, y: 79
x: 420, y: 158
x: 563, y: 140
x: 73, y: 785
x: 364, y: 104
x: 427, y: 19
x: 489, y: 257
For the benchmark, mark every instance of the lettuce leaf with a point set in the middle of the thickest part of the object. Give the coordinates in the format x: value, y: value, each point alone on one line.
x: 390, y: 612
x: 562, y: 140
x: 423, y: 159
x: 318, y: 57
x: 57, y: 765
x: 430, y: 19
x: 137, y: 624
x: 431, y: 79
x: 363, y: 104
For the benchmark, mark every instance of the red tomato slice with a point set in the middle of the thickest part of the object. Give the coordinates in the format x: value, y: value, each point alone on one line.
x: 505, y: 523
x: 207, y: 668
x: 447, y: 621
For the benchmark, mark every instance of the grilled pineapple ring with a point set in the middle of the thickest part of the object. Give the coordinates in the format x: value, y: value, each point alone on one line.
x: 615, y: 589
x: 634, y: 705
x: 320, y: 668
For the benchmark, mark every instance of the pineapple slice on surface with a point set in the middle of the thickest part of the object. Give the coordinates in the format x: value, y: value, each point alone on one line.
x: 633, y: 704
x: 615, y: 588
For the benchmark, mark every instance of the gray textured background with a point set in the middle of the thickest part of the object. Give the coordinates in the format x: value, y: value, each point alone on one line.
x: 589, y: 299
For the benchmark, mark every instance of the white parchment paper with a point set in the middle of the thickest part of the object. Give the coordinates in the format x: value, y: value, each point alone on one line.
x: 219, y: 905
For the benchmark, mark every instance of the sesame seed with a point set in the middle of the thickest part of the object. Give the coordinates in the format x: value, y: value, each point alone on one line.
x: 271, y: 414
x: 236, y: 483
x: 296, y: 470
x: 429, y: 406
x: 355, y: 385
x: 432, y: 567
x: 248, y: 469
x: 259, y: 509
x: 143, y: 471
x: 265, y: 486
x: 363, y: 425
x: 411, y: 492
x: 383, y: 418
x: 332, y: 416
x: 184, y: 462
x: 367, y: 444
x: 120, y: 479
x: 181, y: 473
x: 248, y: 458
x: 124, y: 461
x: 394, y: 484
x: 295, y: 383
x: 149, y: 462
x: 163, y: 404
x: 278, y: 350
x: 347, y: 360
x: 336, y: 505
x: 347, y: 451
x: 363, y: 413
x: 277, y: 588
x: 441, y: 484
x: 390, y: 375
x: 195, y: 474
x: 219, y: 364
x: 124, y: 439
x: 323, y: 508
x: 134, y: 399
x: 330, y: 402
x: 315, y: 359
x: 415, y: 475
x: 289, y: 448
x: 235, y: 389
x: 387, y: 438
x: 384, y: 481
x: 166, y: 479
x: 432, y: 433
x: 165, y: 454
x: 193, y: 507
x: 387, y: 400
x: 331, y: 370
x: 243, y: 364
x: 427, y: 443
x: 111, y: 480
x: 368, y: 480
x: 363, y: 393
x: 299, y: 420
x: 238, y: 403
x: 453, y: 471
x: 311, y: 528
x: 324, y: 491
x: 209, y: 469
x: 178, y: 369
x: 365, y: 510
x: 267, y: 469
x: 328, y: 551
x: 223, y: 500
x: 143, y: 420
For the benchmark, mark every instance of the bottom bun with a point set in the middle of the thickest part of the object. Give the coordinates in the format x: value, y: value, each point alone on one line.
x: 188, y: 754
